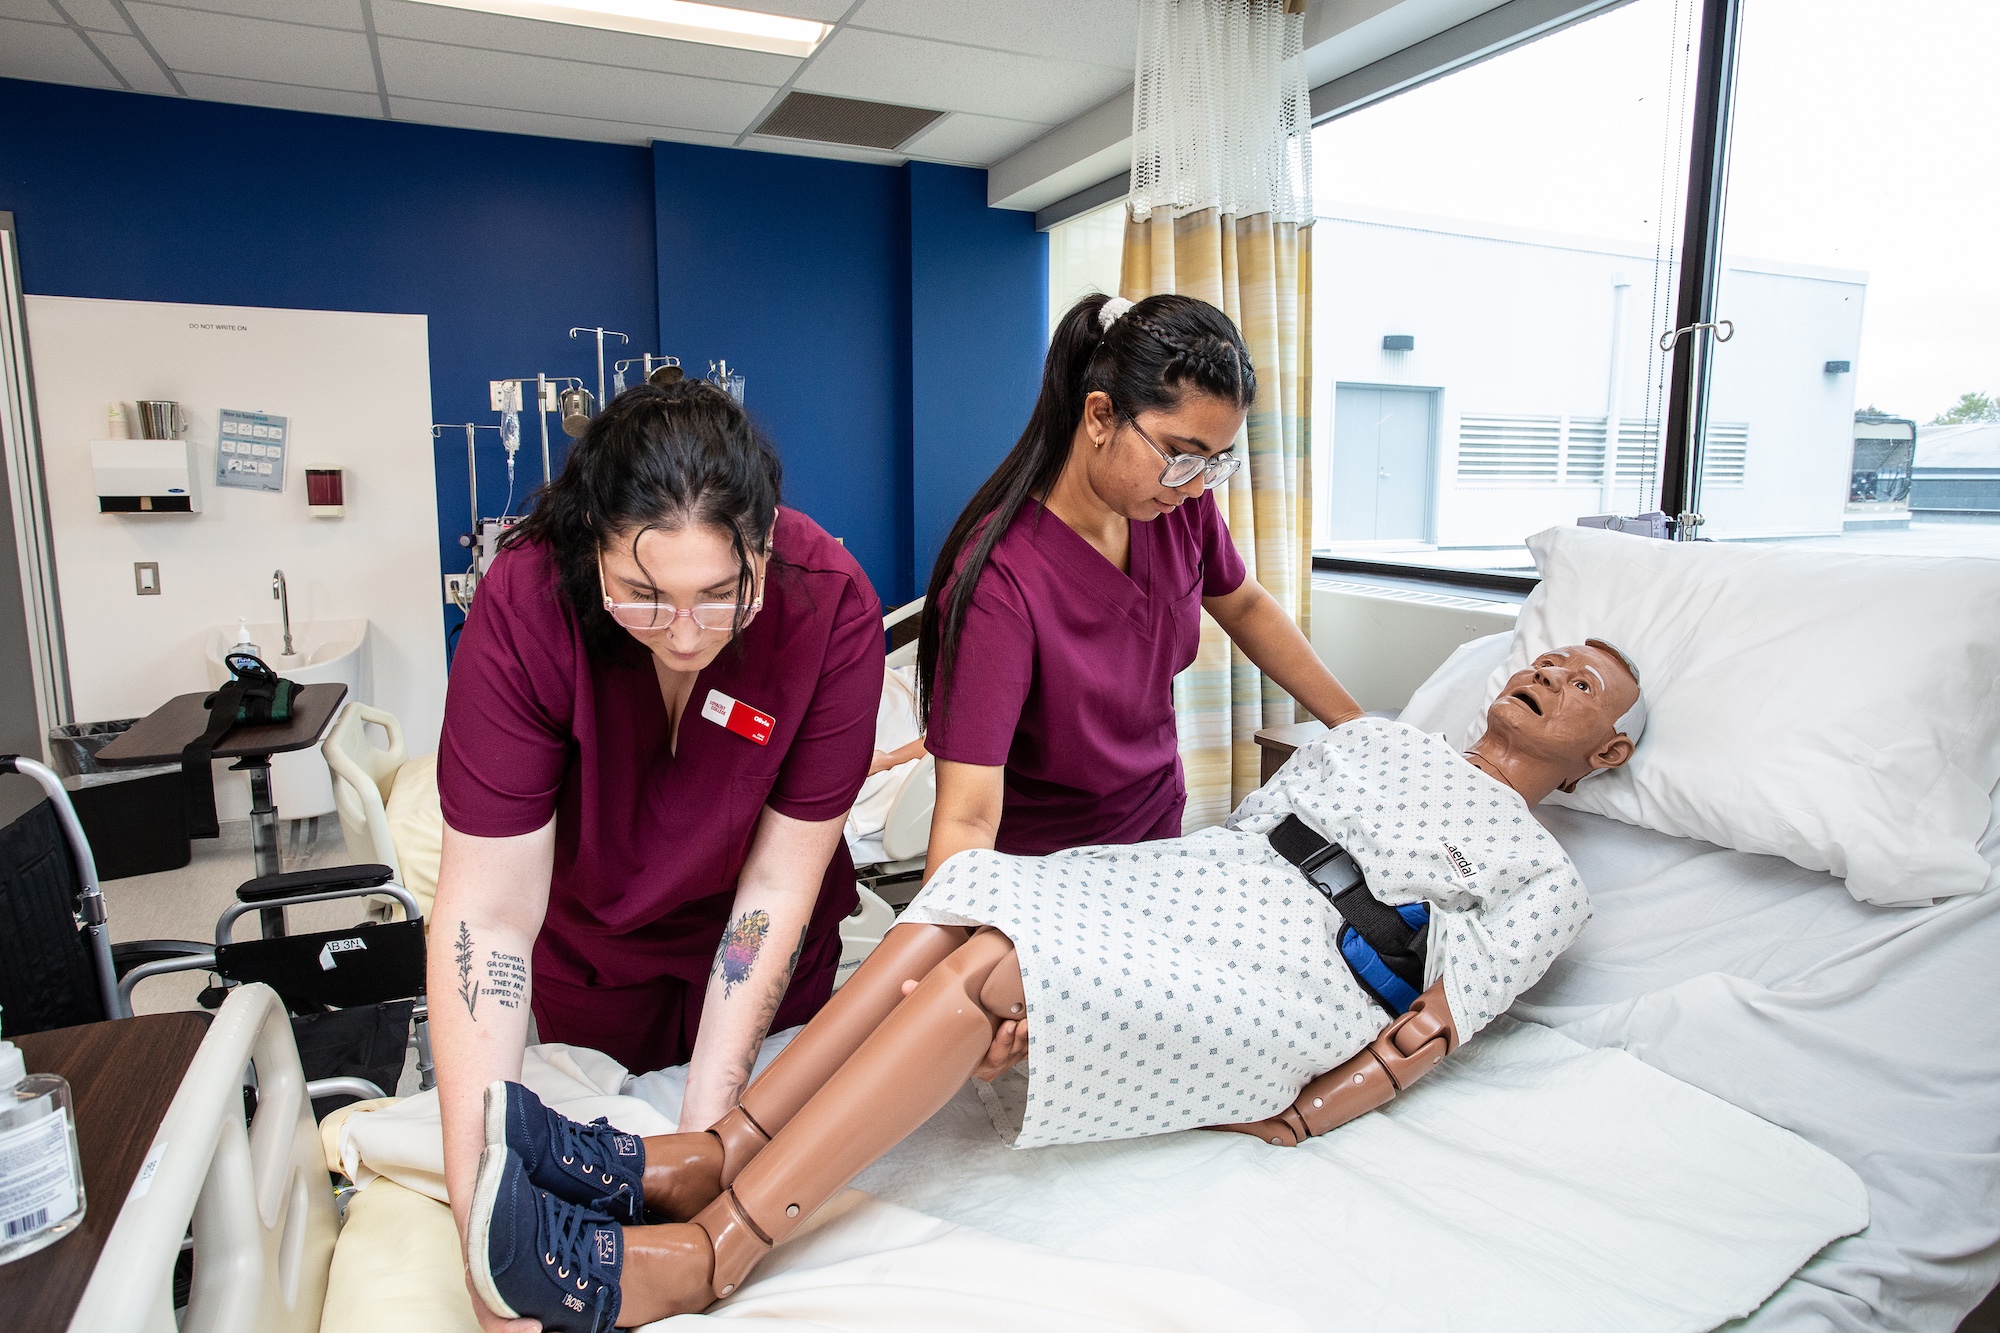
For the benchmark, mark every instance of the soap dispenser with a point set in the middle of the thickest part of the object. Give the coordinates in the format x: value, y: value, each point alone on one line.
x: 243, y: 644
x: 41, y: 1175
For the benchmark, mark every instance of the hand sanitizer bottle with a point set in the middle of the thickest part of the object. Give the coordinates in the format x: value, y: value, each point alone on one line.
x: 41, y: 1175
x: 243, y: 644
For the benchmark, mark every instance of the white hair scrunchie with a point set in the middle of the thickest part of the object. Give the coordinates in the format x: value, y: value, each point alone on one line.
x: 1111, y: 312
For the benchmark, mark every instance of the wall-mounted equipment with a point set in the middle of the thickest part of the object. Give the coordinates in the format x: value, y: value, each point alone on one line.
x: 1399, y: 342
x: 1839, y: 367
x: 326, y: 492
x: 145, y: 476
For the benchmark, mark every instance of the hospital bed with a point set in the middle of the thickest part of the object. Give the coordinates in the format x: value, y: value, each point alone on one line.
x: 1788, y: 1028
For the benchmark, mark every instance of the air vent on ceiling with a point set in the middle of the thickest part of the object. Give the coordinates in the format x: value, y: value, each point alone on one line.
x: 845, y: 120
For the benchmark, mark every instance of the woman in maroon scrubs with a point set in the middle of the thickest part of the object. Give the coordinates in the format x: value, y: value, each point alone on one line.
x: 1070, y: 591
x: 662, y: 706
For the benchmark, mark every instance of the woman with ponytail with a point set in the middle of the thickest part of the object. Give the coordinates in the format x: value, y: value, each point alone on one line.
x: 1068, y: 594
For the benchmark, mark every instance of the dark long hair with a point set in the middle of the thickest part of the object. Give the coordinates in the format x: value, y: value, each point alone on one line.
x: 655, y: 457
x: 1154, y: 353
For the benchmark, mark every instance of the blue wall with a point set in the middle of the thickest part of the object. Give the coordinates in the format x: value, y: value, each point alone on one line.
x: 979, y: 318
x: 504, y: 241
x: 889, y: 324
x: 796, y: 270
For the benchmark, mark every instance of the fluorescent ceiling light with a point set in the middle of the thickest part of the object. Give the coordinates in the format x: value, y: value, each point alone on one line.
x: 681, y: 20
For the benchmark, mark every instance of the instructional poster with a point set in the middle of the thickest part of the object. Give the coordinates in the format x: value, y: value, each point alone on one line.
x: 250, y: 451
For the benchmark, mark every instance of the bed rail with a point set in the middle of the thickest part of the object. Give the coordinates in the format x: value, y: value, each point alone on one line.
x: 263, y: 1216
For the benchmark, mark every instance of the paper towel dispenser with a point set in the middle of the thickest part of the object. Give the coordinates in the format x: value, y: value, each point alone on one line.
x: 146, y: 476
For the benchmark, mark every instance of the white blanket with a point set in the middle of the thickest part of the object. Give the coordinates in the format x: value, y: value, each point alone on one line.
x: 1528, y: 1184
x: 861, y: 1264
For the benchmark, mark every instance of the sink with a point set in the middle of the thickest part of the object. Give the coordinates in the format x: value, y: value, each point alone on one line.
x: 328, y: 652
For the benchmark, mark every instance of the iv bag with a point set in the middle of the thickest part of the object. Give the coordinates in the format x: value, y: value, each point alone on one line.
x: 510, y: 431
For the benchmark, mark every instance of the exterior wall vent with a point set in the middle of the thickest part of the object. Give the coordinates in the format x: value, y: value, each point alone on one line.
x: 845, y: 120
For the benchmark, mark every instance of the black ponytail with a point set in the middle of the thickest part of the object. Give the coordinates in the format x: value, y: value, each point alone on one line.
x: 657, y: 456
x: 1158, y: 350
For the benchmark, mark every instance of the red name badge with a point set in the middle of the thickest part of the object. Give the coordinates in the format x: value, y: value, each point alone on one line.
x: 738, y: 717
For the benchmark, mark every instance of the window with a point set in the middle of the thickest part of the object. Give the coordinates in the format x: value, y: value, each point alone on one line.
x: 1085, y: 254
x: 1862, y: 279
x: 1503, y: 244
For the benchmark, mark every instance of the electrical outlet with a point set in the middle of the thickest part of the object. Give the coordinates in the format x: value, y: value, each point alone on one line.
x: 505, y: 395
x: 454, y: 590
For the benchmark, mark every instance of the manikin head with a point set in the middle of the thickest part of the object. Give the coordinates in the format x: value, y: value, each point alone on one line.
x: 1571, y: 712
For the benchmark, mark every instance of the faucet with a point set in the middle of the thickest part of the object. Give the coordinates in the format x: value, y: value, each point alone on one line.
x: 284, y: 602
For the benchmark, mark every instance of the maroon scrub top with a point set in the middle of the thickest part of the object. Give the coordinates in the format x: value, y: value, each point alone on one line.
x: 649, y: 842
x: 1065, y: 669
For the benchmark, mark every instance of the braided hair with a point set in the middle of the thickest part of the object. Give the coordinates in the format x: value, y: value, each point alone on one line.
x: 1146, y: 356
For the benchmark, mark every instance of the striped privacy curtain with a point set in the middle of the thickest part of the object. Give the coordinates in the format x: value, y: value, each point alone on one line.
x: 1259, y: 272
x: 1221, y: 209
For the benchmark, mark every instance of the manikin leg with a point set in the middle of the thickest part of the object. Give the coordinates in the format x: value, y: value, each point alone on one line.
x: 907, y: 1069
x: 685, y: 1171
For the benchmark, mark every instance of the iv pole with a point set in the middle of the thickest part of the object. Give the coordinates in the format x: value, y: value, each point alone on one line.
x: 600, y: 356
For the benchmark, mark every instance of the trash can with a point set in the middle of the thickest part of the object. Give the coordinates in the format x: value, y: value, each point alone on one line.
x: 135, y: 819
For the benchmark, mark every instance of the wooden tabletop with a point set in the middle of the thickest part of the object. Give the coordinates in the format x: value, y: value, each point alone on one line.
x: 161, y: 735
x: 122, y: 1075
x: 1276, y: 744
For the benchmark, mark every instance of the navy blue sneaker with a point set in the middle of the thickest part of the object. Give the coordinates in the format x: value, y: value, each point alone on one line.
x: 536, y: 1257
x: 594, y: 1165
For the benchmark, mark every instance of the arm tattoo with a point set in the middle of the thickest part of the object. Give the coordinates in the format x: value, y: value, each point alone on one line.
x: 468, y: 989
x: 506, y: 975
x: 737, y: 953
x: 738, y: 1076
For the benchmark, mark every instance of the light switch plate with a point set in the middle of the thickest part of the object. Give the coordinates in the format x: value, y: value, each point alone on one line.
x: 146, y: 577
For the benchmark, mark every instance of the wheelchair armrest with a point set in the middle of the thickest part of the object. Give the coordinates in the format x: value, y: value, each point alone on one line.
x: 137, y: 953
x: 173, y: 962
x: 322, y: 883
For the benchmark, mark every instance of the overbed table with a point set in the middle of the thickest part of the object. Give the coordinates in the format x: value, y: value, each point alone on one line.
x: 1276, y: 744
x: 123, y: 1076
x: 161, y: 735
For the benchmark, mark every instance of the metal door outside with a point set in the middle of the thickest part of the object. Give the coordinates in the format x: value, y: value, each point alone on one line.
x: 1384, y: 456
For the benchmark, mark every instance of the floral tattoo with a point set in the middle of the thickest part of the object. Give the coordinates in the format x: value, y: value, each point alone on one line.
x: 468, y: 989
x: 737, y: 953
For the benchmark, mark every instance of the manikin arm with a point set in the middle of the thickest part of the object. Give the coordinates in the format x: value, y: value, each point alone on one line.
x: 1401, y: 1054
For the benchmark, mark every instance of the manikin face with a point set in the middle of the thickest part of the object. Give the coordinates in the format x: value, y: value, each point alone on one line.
x: 685, y: 567
x: 1565, y: 708
x: 1124, y: 470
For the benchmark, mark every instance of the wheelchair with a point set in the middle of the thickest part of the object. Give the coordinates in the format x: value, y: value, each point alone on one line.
x: 355, y: 996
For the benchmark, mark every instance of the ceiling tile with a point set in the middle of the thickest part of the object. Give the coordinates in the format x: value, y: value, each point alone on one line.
x: 495, y: 32
x: 437, y: 73
x: 971, y: 140
x: 289, y: 96
x: 49, y: 53
x: 911, y: 72
x: 555, y: 127
x: 1101, y: 32
x: 245, y: 48
x: 319, y: 13
x: 101, y: 15
x: 132, y: 59
x: 826, y: 11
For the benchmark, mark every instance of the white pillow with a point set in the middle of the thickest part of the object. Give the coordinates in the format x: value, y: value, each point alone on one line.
x: 1836, y: 709
x: 1453, y: 702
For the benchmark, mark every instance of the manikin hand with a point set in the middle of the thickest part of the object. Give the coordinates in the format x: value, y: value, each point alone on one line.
x: 1009, y: 1048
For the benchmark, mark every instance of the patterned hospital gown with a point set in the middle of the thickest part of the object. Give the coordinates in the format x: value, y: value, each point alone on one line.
x: 1195, y: 981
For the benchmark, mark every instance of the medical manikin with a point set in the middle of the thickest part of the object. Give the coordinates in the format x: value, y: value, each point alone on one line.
x: 1206, y: 981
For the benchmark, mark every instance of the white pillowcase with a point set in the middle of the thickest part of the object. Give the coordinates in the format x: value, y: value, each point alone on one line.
x: 1836, y: 709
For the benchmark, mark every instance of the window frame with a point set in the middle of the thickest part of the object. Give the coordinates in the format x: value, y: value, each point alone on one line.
x: 1683, y: 436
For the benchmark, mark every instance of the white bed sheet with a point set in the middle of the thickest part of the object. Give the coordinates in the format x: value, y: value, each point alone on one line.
x: 1868, y: 1031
